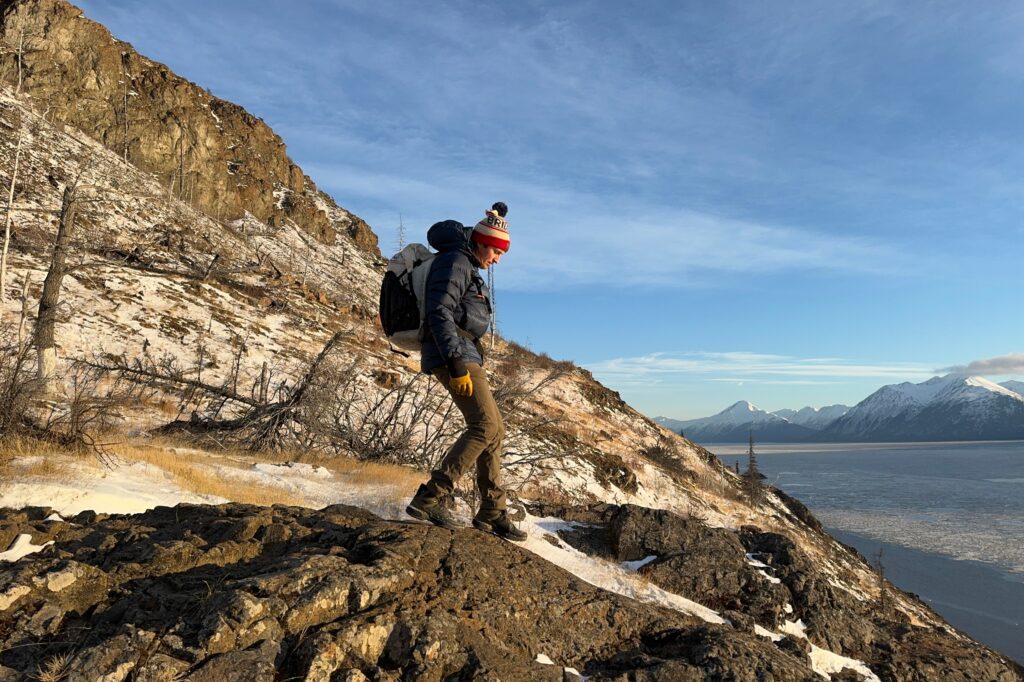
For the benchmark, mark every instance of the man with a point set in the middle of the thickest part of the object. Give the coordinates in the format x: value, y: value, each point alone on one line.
x: 457, y: 314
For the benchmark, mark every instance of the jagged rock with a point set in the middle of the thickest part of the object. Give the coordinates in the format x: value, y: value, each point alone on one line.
x: 834, y: 618
x: 237, y: 592
x: 798, y: 510
x: 796, y: 646
x: 708, y: 654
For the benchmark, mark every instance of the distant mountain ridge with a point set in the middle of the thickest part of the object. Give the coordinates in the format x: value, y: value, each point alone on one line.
x: 814, y: 417
x: 737, y: 423
x: 950, y: 407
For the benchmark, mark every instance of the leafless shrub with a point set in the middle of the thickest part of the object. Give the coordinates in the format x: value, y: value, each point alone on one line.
x: 19, y: 386
x: 665, y: 453
x: 409, y: 423
x: 334, y: 408
x: 93, y: 404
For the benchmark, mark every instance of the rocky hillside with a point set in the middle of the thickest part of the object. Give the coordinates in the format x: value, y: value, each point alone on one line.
x: 215, y: 155
x: 242, y: 300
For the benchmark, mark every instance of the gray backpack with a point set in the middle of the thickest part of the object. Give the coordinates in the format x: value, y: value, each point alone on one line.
x: 402, y: 304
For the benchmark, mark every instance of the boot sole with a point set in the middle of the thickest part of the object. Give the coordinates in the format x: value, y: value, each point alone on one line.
x: 421, y: 515
x: 488, y: 528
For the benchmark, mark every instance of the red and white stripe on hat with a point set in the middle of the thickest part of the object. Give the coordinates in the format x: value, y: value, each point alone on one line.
x: 492, y: 231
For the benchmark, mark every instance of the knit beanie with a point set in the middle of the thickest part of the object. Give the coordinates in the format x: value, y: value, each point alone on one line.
x: 492, y: 230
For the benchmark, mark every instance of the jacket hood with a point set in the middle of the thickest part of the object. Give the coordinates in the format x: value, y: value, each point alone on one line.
x: 449, y: 235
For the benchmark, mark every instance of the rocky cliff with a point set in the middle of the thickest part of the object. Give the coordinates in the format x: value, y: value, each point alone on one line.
x: 211, y: 153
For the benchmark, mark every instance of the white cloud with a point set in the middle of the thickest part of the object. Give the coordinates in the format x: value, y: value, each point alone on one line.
x: 563, y: 237
x: 1002, y: 365
x: 734, y: 366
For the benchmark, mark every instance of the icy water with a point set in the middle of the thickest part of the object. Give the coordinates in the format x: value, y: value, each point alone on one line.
x: 949, y: 517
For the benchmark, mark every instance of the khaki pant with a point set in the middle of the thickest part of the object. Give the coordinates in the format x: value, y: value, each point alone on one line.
x: 480, y: 443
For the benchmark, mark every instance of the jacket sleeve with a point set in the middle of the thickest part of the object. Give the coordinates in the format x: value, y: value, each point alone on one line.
x: 449, y: 278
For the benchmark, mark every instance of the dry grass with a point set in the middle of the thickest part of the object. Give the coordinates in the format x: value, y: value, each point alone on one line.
x: 198, y: 471
x: 23, y: 457
x: 54, y: 669
x: 190, y: 469
x: 370, y: 473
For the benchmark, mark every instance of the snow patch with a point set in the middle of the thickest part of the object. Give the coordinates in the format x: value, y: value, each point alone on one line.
x: 127, y: 489
x: 797, y: 629
x: 22, y: 547
x: 824, y: 662
x: 640, y: 563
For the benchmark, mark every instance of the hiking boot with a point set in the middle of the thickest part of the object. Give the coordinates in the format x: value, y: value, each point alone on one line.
x: 501, y: 526
x: 426, y: 506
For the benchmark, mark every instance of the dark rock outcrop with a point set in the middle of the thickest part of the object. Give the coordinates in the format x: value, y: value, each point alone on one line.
x: 237, y: 592
x: 759, y: 578
x: 206, y: 150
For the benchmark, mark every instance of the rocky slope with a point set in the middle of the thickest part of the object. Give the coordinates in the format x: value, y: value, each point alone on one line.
x: 212, y: 153
x: 164, y: 279
x: 247, y: 593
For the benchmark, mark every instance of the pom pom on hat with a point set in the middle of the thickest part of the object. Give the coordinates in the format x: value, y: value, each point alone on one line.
x: 493, y: 229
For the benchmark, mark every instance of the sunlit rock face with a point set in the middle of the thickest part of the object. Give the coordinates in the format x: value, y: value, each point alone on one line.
x: 205, y: 150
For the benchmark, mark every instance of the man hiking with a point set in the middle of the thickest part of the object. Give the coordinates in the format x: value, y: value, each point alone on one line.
x: 457, y: 314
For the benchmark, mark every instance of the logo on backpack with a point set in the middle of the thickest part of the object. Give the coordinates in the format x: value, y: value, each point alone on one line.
x: 402, y: 299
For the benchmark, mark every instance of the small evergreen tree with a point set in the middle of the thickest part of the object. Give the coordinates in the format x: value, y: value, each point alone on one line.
x: 752, y: 477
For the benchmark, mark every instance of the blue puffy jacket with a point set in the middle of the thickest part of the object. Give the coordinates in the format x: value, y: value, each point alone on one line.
x: 456, y: 299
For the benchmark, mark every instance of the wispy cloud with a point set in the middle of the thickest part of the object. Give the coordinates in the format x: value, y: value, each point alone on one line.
x: 1002, y: 365
x: 746, y: 366
x: 567, y: 237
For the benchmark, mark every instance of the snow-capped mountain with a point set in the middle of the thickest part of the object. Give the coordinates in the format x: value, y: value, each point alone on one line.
x: 951, y: 407
x: 736, y: 424
x: 817, y: 418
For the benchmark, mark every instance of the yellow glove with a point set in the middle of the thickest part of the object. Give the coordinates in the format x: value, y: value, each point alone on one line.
x: 462, y: 385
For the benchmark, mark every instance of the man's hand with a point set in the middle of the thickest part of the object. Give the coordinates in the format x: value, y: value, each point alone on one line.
x: 462, y: 385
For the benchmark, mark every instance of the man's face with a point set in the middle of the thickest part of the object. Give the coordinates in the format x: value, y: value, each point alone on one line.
x: 488, y: 255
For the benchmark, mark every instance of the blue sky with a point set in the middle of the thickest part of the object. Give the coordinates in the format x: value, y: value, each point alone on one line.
x: 791, y: 203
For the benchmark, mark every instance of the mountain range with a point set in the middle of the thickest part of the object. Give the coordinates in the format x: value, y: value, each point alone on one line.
x: 950, y: 407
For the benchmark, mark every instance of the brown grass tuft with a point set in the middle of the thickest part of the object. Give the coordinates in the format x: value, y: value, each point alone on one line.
x: 186, y: 468
x: 25, y: 456
x: 190, y: 470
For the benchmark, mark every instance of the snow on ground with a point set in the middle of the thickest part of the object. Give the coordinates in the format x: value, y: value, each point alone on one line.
x: 763, y: 569
x: 126, y: 489
x: 546, y: 660
x: 320, y: 487
x: 823, y: 661
x: 640, y: 563
x: 22, y: 547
